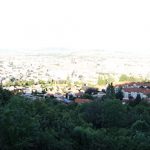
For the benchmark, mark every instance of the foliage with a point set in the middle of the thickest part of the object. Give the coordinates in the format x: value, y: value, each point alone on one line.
x: 138, y: 98
x: 101, y: 81
x: 5, y: 96
x: 119, y: 94
x: 140, y: 125
x: 91, y: 91
x: 50, y: 125
x: 125, y: 77
x: 87, y: 96
x: 105, y: 79
x: 110, y: 91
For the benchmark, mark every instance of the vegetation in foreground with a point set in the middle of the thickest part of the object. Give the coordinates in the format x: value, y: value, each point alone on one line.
x: 49, y: 125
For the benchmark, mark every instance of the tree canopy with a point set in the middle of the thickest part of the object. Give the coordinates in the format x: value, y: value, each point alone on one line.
x: 50, y: 125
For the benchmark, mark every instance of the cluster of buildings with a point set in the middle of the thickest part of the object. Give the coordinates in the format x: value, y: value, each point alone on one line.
x: 65, y: 94
x: 84, y: 66
x: 131, y: 90
x: 73, y: 66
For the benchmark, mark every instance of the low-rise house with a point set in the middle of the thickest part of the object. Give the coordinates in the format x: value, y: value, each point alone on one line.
x: 82, y: 101
x: 67, y: 101
x: 49, y: 95
x: 132, y: 89
x: 59, y: 96
x: 79, y: 94
x: 27, y: 90
x: 70, y: 95
x: 99, y: 94
x: 134, y: 92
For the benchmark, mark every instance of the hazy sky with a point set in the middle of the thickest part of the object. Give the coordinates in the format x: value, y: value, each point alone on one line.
x: 82, y: 24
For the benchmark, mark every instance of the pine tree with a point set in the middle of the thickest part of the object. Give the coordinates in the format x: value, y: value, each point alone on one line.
x: 110, y: 91
x: 138, y: 98
x: 119, y: 94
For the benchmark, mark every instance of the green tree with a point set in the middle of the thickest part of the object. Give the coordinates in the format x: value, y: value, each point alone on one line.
x: 18, y: 125
x: 138, y: 98
x: 111, y: 111
x: 140, y: 125
x: 119, y: 94
x: 123, y: 77
x: 110, y: 91
x: 101, y: 81
x: 5, y: 96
